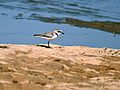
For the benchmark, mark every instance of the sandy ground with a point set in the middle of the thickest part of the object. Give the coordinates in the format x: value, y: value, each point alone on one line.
x: 31, y: 67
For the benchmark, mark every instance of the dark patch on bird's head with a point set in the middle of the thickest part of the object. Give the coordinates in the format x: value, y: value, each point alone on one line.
x: 59, y: 31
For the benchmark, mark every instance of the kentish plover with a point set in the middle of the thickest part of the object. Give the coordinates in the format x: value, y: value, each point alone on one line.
x: 50, y: 35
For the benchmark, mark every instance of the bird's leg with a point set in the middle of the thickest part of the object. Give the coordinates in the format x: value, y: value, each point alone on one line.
x: 48, y: 44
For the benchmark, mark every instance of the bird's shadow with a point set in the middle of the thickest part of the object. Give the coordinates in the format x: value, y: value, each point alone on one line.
x: 43, y: 46
x: 4, y: 47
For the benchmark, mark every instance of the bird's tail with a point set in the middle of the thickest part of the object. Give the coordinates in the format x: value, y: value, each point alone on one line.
x: 36, y: 35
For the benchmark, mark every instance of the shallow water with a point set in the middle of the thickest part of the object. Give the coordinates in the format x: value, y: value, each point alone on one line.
x: 20, y: 19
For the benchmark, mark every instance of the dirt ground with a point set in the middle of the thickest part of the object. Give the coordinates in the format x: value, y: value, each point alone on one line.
x: 31, y: 67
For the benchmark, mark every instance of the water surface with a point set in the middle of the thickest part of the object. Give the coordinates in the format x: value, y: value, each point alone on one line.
x: 20, y: 19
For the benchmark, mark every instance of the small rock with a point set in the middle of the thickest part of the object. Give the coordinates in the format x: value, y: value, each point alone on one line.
x: 14, y: 81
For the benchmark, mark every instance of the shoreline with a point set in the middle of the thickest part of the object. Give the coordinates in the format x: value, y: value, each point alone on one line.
x: 28, y: 67
x: 44, y: 44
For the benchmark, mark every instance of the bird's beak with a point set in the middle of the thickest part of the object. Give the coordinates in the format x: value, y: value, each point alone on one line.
x: 63, y: 33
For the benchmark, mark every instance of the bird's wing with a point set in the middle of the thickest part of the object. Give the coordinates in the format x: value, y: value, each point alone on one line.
x: 48, y: 35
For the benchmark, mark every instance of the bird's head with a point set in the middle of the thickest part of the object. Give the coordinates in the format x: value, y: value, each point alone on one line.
x: 58, y: 31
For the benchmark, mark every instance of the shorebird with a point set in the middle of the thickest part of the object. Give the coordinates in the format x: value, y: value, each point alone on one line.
x: 50, y: 35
